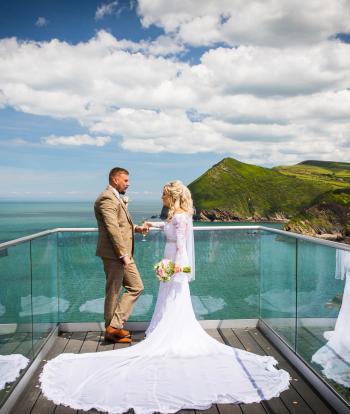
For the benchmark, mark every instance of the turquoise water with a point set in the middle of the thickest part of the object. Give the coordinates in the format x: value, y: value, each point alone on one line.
x: 18, y: 219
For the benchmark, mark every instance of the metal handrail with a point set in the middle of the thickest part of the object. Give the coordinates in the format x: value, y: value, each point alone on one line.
x: 315, y: 240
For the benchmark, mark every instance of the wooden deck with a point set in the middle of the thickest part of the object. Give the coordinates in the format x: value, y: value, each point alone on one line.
x: 300, y: 398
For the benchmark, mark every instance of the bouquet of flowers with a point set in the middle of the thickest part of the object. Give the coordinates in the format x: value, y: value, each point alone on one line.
x: 166, y: 268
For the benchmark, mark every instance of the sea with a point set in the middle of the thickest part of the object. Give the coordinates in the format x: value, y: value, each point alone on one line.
x: 18, y: 219
x: 23, y: 218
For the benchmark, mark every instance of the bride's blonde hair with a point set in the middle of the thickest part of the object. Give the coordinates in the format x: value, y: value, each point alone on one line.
x: 179, y: 197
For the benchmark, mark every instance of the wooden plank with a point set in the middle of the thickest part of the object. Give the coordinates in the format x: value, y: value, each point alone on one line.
x: 42, y: 404
x: 253, y: 408
x: 11, y: 344
x: 229, y: 409
x: 75, y: 342
x: 25, y: 347
x: 137, y: 336
x: 121, y: 346
x: 75, y: 345
x: 212, y: 410
x: 234, y: 337
x: 214, y: 333
x: 61, y: 409
x: 248, y: 341
x: 91, y: 342
x: 186, y: 412
x: 32, y: 390
x: 289, y: 398
x: 303, y: 389
x: 104, y: 345
x: 274, y: 405
x: 231, y: 338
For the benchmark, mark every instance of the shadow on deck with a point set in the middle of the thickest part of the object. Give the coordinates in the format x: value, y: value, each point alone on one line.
x: 300, y: 398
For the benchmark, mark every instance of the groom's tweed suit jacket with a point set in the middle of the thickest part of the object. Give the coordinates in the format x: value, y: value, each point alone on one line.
x: 115, y: 227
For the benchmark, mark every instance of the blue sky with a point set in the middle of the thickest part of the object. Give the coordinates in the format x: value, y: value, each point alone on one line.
x: 166, y: 90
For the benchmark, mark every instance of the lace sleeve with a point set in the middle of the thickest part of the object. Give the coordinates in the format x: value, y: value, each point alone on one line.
x: 181, y: 257
x: 158, y: 224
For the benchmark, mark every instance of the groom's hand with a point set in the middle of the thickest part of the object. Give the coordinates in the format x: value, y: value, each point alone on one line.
x: 141, y: 229
x: 126, y: 260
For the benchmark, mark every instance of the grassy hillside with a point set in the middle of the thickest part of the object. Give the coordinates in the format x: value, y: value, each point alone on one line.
x: 247, y: 190
x: 336, y: 174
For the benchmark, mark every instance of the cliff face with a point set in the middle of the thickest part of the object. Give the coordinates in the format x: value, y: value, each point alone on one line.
x: 232, y: 190
x: 328, y: 218
x: 218, y: 214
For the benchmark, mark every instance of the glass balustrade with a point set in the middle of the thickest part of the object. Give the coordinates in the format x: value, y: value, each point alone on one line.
x: 294, y: 285
x: 278, y: 284
x: 322, y: 337
x: 228, y: 259
x: 16, y: 329
x: 44, y: 296
x: 305, y: 300
x: 227, y: 274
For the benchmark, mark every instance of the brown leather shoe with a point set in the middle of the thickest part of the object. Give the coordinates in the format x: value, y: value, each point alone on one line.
x: 116, y: 340
x: 120, y: 333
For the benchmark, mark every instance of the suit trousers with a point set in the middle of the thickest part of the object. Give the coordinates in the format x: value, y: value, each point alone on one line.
x: 119, y: 276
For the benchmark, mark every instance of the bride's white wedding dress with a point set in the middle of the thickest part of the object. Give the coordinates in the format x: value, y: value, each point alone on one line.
x: 177, y: 366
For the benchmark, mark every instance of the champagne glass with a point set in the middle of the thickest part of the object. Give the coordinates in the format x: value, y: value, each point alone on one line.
x: 143, y: 233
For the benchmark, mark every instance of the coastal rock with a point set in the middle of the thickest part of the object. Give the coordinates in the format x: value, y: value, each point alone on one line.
x: 222, y: 215
x: 216, y: 214
x: 326, y: 220
x: 331, y: 236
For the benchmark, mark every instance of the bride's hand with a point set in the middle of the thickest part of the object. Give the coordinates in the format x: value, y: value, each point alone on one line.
x: 177, y: 269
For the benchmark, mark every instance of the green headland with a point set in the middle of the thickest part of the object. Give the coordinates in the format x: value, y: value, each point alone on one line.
x: 312, y: 197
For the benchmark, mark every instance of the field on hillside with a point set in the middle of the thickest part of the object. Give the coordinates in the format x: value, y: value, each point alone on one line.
x: 335, y: 174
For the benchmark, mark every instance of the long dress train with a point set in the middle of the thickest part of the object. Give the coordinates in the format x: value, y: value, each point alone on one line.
x: 178, y: 365
x: 334, y: 356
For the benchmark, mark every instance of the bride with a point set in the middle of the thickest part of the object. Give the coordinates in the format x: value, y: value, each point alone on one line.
x: 178, y: 365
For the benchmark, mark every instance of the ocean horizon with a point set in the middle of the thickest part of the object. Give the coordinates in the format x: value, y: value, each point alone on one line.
x: 23, y: 218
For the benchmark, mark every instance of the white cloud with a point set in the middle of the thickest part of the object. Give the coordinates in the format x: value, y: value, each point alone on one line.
x: 41, y: 22
x: 268, y: 71
x: 76, y: 140
x: 259, y: 102
x: 152, y: 131
x: 242, y: 22
x: 105, y: 9
x: 161, y: 46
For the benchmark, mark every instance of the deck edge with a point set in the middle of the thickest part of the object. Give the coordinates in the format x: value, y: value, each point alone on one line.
x: 320, y: 386
x: 143, y: 325
x: 25, y: 378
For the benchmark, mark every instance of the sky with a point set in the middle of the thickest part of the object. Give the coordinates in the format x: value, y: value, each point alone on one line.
x: 166, y: 89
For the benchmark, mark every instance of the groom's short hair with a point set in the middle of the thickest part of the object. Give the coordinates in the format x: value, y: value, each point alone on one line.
x: 116, y: 171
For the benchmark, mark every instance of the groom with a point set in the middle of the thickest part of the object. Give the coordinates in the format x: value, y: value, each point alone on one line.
x: 115, y: 246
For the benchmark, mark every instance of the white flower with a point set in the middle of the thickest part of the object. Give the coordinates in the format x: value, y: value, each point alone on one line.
x: 125, y: 198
